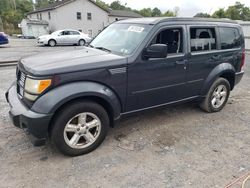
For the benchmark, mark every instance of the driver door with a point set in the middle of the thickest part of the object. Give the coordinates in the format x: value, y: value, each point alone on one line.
x: 157, y: 81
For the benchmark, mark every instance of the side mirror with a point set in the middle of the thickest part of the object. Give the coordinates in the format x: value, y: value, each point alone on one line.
x: 156, y: 51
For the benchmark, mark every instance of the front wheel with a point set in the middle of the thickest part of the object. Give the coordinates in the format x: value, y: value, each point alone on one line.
x: 217, y: 96
x: 52, y: 43
x: 80, y: 128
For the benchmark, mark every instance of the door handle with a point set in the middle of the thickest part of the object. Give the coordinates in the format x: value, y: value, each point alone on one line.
x: 180, y: 62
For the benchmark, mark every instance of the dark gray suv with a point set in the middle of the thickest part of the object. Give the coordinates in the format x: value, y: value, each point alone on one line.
x: 73, y: 97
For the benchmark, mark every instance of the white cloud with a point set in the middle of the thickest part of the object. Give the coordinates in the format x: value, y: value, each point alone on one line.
x: 187, y: 7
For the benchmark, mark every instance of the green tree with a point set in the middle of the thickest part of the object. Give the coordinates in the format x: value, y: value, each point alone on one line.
x: 116, y: 5
x: 156, y: 12
x: 202, y: 15
x: 236, y: 12
x: 12, y: 12
x: 102, y: 4
x: 169, y: 14
x: 146, y: 12
x: 221, y: 13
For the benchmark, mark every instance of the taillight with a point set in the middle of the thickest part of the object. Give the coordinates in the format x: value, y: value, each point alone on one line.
x: 243, y: 59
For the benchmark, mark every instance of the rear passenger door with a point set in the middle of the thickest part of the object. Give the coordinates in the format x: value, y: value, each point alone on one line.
x: 204, y: 56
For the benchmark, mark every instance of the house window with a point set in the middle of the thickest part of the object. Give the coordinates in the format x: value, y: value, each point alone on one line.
x: 89, y: 16
x: 41, y: 16
x: 90, y: 32
x: 37, y: 16
x: 49, y: 16
x: 79, y: 15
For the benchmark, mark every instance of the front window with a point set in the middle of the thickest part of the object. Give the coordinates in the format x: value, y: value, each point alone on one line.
x: 121, y: 38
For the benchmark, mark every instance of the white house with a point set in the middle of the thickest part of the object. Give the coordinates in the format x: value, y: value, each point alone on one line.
x: 82, y: 15
x: 34, y: 27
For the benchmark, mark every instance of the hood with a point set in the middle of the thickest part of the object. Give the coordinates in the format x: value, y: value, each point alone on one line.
x: 70, y: 61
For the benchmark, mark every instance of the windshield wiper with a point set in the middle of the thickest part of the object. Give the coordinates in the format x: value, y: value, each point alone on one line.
x: 103, y: 49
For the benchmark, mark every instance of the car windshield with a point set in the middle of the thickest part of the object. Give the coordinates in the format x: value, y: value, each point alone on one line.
x: 56, y: 33
x: 121, y: 38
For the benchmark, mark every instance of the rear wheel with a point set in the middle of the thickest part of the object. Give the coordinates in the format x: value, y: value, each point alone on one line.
x: 52, y: 43
x: 80, y: 128
x: 81, y: 42
x: 217, y: 96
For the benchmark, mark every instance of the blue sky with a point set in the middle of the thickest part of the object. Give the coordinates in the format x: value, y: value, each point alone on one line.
x: 187, y: 7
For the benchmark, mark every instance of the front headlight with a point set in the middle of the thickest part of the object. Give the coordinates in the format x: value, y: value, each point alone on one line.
x: 35, y: 87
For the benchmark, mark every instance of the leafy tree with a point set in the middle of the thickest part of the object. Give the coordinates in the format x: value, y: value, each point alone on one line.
x: 236, y: 12
x: 202, y: 15
x: 221, y: 13
x: 146, y: 12
x: 156, y: 12
x: 102, y: 4
x: 169, y: 14
x: 116, y: 5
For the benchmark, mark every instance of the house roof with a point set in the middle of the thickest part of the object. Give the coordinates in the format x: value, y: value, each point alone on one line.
x: 120, y: 13
x: 36, y: 22
x: 59, y: 4
x: 124, y: 13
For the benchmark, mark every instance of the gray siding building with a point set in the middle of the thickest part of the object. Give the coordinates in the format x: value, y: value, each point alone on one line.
x: 82, y: 15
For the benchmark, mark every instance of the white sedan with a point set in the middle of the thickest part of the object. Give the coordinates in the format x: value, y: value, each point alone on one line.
x: 64, y: 37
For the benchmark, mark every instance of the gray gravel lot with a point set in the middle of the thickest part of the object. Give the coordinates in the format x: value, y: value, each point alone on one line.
x: 172, y: 147
x: 18, y: 48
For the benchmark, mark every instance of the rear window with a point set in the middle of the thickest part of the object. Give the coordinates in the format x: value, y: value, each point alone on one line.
x: 230, y: 38
x: 202, y: 39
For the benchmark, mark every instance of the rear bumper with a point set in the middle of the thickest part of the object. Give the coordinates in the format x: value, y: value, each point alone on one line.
x: 22, y: 117
x: 238, y: 77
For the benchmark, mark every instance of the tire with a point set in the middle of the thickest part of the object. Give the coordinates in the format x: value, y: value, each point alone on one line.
x: 81, y: 42
x: 217, y: 96
x: 52, y: 42
x: 67, y: 125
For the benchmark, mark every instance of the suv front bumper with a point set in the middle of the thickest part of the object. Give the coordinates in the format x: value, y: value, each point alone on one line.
x: 34, y: 123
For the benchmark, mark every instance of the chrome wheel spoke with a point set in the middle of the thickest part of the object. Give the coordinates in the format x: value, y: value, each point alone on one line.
x: 89, y: 137
x: 94, y: 123
x: 74, y: 140
x: 223, y: 93
x: 214, y: 101
x: 71, y: 128
x: 220, y: 88
x: 82, y: 119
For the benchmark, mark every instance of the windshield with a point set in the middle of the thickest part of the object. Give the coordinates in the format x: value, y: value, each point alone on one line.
x: 55, y: 33
x: 121, y: 38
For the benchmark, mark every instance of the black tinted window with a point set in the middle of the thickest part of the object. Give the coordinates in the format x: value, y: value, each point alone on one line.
x: 74, y: 33
x: 230, y: 38
x: 173, y: 38
x: 202, y: 39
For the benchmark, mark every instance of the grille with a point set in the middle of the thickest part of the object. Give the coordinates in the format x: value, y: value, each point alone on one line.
x: 21, y: 77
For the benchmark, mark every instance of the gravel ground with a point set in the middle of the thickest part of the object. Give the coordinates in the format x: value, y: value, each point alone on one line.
x: 18, y: 48
x: 172, y: 147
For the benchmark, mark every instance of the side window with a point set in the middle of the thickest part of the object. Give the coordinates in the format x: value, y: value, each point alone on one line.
x: 89, y: 16
x: 202, y: 39
x: 74, y: 33
x: 66, y: 33
x: 78, y: 15
x: 230, y: 38
x: 173, y: 38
